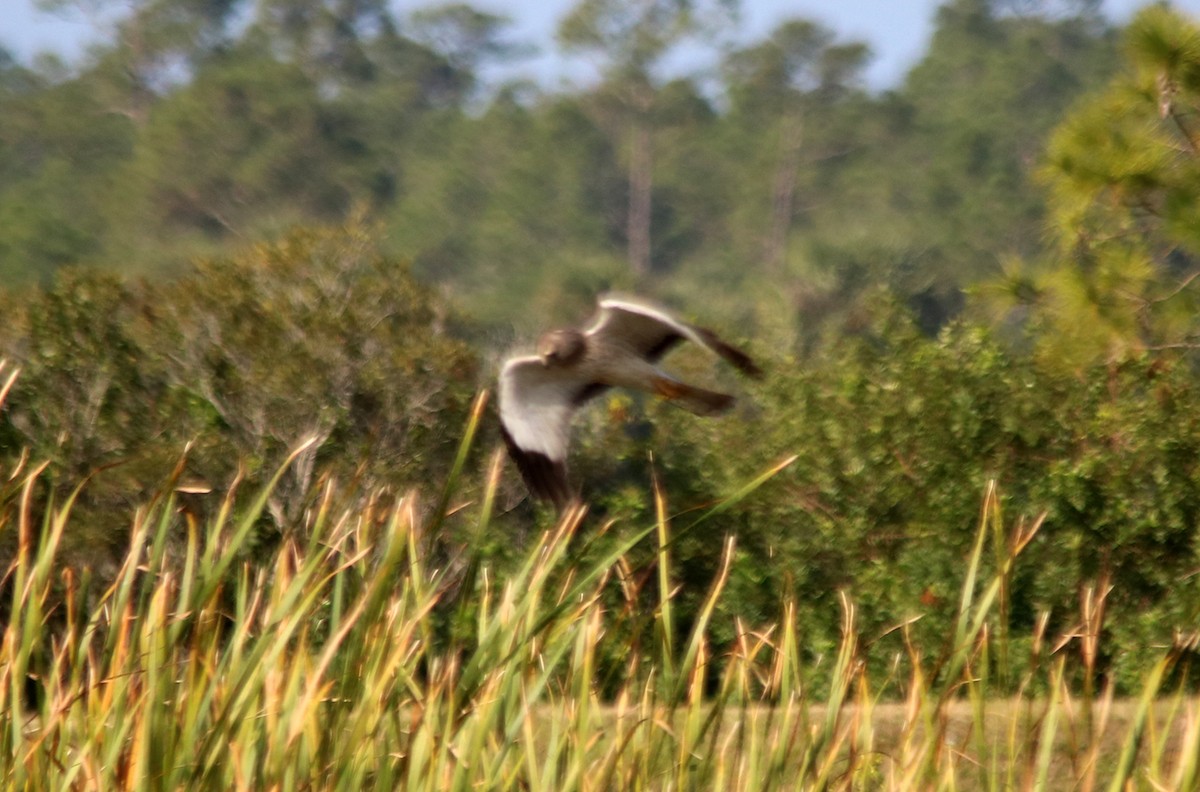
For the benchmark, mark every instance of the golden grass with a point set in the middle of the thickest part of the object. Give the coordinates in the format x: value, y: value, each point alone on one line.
x: 346, y: 661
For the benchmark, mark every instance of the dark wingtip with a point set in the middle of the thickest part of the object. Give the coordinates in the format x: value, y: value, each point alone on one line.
x: 724, y: 404
x: 546, y: 478
x: 739, y: 359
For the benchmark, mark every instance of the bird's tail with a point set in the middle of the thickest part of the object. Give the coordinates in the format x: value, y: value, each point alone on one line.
x: 732, y: 354
x: 693, y: 399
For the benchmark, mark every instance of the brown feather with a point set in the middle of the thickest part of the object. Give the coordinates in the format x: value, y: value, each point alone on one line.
x: 735, y: 356
x: 546, y: 478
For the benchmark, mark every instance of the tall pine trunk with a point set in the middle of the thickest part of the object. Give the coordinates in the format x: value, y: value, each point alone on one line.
x: 783, y: 191
x: 641, y: 176
x: 641, y: 184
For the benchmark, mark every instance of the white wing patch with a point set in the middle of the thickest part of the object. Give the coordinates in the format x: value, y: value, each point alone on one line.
x: 609, y: 321
x: 653, y: 331
x: 536, y: 405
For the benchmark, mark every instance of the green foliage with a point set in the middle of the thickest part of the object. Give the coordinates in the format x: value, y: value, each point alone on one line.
x: 1123, y: 173
x: 780, y: 180
x: 634, y: 37
x: 983, y: 103
x: 467, y: 36
x: 317, y: 338
x: 264, y: 137
x: 60, y: 151
x: 895, y: 436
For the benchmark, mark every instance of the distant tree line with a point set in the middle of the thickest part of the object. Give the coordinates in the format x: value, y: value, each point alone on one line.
x: 195, y: 126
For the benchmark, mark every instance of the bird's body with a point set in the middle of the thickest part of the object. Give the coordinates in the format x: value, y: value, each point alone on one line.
x: 540, y: 393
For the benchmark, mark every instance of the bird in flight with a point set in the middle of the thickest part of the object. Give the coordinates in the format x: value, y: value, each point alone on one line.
x: 620, y: 347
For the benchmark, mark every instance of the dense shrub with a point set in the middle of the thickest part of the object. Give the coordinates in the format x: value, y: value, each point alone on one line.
x: 238, y: 362
x: 896, y: 438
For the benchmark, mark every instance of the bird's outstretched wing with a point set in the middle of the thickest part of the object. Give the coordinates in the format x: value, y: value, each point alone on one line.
x: 652, y: 332
x: 536, y: 407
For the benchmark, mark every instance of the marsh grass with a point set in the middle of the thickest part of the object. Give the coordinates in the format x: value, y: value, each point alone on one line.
x: 328, y: 665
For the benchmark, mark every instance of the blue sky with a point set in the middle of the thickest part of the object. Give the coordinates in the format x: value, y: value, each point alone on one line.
x: 897, y: 31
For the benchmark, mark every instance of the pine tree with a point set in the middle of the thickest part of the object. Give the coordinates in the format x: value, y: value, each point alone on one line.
x: 1123, y: 177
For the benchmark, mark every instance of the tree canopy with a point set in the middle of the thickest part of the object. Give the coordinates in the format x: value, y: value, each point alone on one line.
x: 237, y: 120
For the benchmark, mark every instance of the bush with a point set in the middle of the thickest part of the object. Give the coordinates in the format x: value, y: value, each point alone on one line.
x: 316, y: 336
x: 896, y: 437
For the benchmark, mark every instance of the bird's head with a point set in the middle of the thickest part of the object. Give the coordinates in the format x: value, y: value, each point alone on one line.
x: 560, y: 347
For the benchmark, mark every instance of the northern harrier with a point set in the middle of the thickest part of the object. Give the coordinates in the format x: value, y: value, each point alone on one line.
x: 540, y: 393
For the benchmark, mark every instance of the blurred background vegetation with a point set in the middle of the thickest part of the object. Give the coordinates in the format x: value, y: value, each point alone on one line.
x: 236, y: 225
